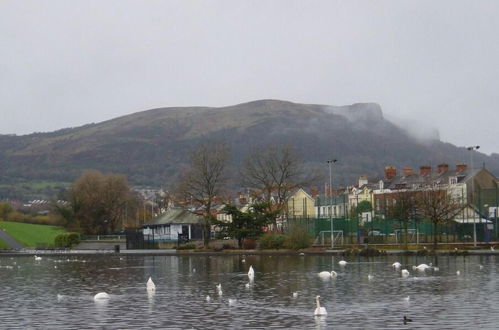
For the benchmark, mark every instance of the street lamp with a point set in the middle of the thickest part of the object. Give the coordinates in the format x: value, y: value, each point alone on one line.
x: 472, y: 202
x: 330, y: 163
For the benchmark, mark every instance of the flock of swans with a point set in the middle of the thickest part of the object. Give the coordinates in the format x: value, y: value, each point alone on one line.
x: 319, y: 310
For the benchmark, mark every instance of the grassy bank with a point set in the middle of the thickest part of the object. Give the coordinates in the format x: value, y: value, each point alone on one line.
x: 3, y: 245
x: 31, y: 235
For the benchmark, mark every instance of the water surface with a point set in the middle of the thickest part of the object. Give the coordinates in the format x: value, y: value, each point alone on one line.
x: 57, y: 292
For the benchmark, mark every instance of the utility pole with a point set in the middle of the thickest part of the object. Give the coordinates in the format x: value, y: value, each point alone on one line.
x: 330, y: 163
x: 472, y: 202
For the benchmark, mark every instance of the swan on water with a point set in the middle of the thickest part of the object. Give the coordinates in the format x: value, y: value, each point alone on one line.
x: 396, y: 264
x: 319, y: 311
x: 232, y: 302
x: 208, y: 298
x: 421, y: 267
x: 326, y: 274
x: 247, y: 285
x: 405, y: 272
x: 219, y: 289
x: 295, y: 294
x: 38, y: 258
x: 370, y: 277
x: 342, y: 262
x: 407, y: 298
x: 458, y: 273
x: 101, y: 296
x: 251, y: 273
x: 150, y: 285
x: 481, y: 266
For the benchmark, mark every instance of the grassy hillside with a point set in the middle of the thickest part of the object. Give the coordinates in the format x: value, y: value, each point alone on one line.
x: 151, y: 147
x: 29, y: 234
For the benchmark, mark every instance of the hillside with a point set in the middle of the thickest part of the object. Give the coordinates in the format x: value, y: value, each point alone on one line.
x: 150, y: 146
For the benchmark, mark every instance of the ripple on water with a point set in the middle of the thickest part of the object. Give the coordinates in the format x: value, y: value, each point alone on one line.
x: 40, y: 296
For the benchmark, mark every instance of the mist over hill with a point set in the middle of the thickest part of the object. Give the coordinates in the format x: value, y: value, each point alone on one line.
x: 150, y: 147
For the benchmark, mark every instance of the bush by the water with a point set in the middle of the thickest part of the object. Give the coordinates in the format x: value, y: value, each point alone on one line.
x: 66, y: 240
x: 249, y: 244
x: 298, y: 238
x: 272, y: 241
x: 188, y: 246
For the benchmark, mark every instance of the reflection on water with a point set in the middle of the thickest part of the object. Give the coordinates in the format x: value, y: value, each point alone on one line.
x: 36, y: 294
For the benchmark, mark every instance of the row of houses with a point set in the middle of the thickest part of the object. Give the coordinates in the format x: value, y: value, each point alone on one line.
x: 477, y: 188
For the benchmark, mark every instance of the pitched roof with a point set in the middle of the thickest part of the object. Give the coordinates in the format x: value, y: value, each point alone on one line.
x: 175, y: 216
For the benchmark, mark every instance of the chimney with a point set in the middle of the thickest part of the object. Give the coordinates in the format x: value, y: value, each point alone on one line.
x: 390, y: 172
x: 425, y: 170
x: 362, y: 180
x: 461, y: 167
x: 442, y: 168
x: 408, y: 171
x: 314, y: 192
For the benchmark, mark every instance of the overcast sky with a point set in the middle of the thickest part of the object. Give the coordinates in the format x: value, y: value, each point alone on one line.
x: 430, y: 63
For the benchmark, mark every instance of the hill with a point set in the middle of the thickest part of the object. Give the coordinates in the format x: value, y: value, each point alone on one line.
x: 151, y: 146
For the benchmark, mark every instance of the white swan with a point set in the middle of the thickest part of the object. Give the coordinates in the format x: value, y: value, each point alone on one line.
x: 407, y: 298
x: 319, y: 311
x: 247, y: 285
x: 370, y: 277
x: 208, y: 298
x: 38, y: 258
x: 101, y: 296
x: 458, y: 273
x: 219, y: 289
x: 251, y: 273
x: 396, y: 265
x: 421, y: 267
x: 232, y: 302
x: 342, y: 262
x: 326, y: 274
x: 405, y: 272
x: 150, y: 285
x: 480, y: 266
x: 295, y: 294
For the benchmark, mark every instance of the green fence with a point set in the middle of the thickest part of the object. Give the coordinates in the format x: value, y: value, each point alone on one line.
x: 391, y: 231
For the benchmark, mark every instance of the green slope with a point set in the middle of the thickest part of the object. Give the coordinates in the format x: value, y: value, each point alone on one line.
x: 29, y: 234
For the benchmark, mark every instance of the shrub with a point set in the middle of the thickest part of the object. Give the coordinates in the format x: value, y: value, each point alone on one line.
x: 249, y: 244
x: 272, y: 241
x: 228, y: 246
x: 298, y: 238
x: 66, y: 240
x: 188, y: 246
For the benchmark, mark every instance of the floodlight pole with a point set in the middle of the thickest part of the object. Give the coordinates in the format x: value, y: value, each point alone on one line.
x: 330, y: 163
x: 471, y: 149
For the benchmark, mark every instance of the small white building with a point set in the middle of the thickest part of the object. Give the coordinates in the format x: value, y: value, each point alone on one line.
x: 174, y: 224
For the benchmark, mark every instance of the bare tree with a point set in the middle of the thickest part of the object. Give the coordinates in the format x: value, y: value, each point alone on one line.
x: 205, y: 180
x: 276, y: 171
x: 438, y: 206
x: 404, y: 208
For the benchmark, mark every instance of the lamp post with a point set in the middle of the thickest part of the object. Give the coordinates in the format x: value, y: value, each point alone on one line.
x: 330, y: 163
x: 471, y: 149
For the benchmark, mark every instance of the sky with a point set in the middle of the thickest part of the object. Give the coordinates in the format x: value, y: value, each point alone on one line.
x: 429, y: 64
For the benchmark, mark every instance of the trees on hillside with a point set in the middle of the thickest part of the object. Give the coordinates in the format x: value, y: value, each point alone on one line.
x: 98, y: 203
x: 205, y: 179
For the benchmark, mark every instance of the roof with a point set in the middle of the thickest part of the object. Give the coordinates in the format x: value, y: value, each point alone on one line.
x: 175, y: 216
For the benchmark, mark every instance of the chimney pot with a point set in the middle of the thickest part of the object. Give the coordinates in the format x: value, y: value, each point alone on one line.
x: 461, y: 167
x: 390, y: 172
x: 425, y: 170
x: 442, y: 168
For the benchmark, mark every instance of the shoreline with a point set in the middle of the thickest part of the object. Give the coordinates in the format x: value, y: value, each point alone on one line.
x: 173, y: 252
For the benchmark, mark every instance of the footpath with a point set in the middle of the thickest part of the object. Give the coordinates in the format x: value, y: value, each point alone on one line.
x: 10, y: 241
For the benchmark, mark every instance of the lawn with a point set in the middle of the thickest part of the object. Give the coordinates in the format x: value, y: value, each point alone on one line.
x: 3, y: 245
x: 29, y: 234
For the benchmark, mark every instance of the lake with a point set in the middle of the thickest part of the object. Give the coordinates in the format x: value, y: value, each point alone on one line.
x: 57, y: 292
